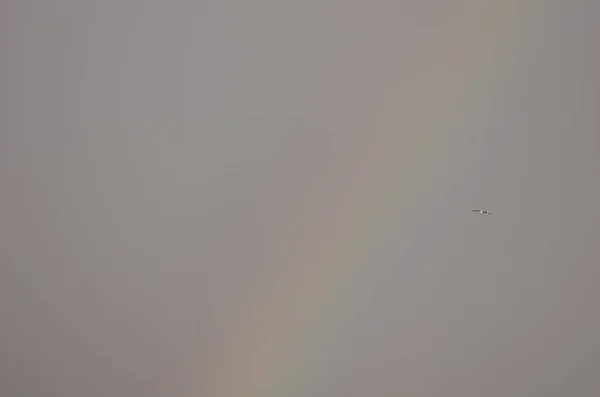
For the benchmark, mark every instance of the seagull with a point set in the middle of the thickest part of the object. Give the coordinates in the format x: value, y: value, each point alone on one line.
x: 483, y: 212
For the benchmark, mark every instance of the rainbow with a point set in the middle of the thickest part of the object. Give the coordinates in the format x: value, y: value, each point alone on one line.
x: 275, y: 342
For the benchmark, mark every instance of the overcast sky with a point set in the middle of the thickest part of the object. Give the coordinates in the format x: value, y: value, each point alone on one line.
x: 272, y: 198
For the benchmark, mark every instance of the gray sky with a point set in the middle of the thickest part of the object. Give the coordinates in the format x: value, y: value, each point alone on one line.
x: 273, y: 198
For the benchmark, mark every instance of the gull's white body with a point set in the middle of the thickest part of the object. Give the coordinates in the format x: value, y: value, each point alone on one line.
x: 482, y: 212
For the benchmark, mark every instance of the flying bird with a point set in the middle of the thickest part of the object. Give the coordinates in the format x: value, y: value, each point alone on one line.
x: 483, y: 212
